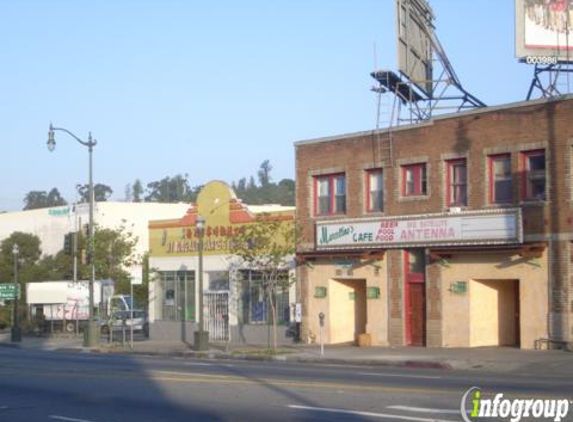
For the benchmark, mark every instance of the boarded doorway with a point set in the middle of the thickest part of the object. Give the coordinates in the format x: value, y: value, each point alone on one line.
x: 347, y: 309
x: 494, y: 313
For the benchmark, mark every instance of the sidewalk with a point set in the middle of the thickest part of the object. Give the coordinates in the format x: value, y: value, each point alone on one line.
x: 506, y: 360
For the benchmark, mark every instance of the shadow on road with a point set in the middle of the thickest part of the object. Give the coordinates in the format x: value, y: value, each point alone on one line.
x: 40, y: 385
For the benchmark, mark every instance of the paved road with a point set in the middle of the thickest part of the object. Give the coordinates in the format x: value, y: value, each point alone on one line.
x: 54, y: 386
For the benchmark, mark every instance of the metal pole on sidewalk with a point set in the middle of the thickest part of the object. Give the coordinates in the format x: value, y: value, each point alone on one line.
x: 321, y: 322
x: 131, y: 325
x: 16, y: 334
x: 123, y: 333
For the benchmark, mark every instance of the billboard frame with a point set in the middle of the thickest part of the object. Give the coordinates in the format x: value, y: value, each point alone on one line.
x: 533, y: 43
x: 415, y: 50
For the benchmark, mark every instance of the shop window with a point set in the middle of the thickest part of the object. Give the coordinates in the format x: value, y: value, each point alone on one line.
x: 533, y: 164
x: 500, y: 179
x: 457, y: 189
x: 375, y: 190
x: 218, y: 280
x: 330, y: 194
x: 176, y: 295
x: 254, y: 303
x: 414, y: 181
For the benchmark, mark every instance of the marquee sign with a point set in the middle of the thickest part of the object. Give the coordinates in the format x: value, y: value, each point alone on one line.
x: 464, y: 228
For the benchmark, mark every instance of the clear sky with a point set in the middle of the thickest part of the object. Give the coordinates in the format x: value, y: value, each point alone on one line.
x: 210, y: 88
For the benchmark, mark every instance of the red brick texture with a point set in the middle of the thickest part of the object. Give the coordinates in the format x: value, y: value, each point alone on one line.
x: 546, y: 125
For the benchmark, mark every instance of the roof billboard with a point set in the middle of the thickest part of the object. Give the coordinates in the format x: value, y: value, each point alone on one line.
x: 414, y: 43
x: 543, y: 29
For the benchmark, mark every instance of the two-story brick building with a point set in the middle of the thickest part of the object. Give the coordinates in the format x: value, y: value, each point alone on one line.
x: 456, y: 232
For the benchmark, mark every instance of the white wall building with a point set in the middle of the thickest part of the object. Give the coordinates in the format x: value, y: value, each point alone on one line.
x: 52, y: 224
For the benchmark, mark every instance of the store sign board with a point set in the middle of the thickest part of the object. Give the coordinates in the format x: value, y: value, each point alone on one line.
x: 225, y: 219
x: 483, y: 228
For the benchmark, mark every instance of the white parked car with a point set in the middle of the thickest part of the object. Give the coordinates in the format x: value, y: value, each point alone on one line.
x: 121, y: 319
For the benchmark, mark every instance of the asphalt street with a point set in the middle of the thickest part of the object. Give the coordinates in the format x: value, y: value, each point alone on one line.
x: 55, y: 386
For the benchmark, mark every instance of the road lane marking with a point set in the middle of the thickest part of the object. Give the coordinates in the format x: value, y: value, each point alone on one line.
x: 65, y: 418
x: 178, y: 377
x: 424, y: 409
x: 379, y: 374
x: 343, y: 366
x: 367, y: 414
x: 190, y: 378
x: 197, y: 364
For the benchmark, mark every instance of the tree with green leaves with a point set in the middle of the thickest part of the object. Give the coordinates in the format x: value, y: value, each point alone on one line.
x: 128, y: 193
x: 137, y: 191
x: 41, y: 199
x: 169, y: 189
x: 268, y: 247
x: 29, y: 247
x: 141, y: 292
x: 266, y: 192
x: 265, y: 173
x: 101, y: 192
x: 114, y: 252
x: 28, y: 256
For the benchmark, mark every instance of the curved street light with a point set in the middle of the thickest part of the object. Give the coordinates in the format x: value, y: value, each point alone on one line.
x: 201, y: 340
x: 16, y: 333
x: 92, y: 338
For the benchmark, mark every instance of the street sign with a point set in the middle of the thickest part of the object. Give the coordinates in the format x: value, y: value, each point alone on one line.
x: 298, y: 312
x: 8, y: 291
x: 136, y: 275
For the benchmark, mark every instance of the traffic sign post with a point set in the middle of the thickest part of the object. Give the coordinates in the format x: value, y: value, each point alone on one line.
x: 16, y: 336
x: 136, y: 279
x: 8, y: 291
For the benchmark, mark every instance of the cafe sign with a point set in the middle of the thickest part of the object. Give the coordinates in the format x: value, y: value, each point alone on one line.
x: 444, y: 229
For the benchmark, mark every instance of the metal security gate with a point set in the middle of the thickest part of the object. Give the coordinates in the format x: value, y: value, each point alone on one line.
x: 217, y: 315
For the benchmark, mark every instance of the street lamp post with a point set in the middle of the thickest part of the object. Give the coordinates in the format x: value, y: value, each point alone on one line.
x: 201, y: 339
x: 91, y: 339
x: 16, y: 334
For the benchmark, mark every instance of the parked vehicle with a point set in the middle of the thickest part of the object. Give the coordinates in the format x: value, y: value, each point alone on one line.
x: 67, y: 302
x: 122, y: 320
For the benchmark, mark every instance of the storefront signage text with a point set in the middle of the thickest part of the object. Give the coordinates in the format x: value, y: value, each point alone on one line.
x: 59, y: 212
x: 483, y: 228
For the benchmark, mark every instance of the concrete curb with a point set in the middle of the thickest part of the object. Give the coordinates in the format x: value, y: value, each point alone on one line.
x: 401, y: 363
x: 397, y: 359
x: 285, y: 358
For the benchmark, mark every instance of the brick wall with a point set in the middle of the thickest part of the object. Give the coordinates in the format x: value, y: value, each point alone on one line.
x: 511, y: 129
x: 396, y: 334
x: 434, y: 303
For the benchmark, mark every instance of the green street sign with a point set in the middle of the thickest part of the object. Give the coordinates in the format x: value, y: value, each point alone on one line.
x: 8, y: 291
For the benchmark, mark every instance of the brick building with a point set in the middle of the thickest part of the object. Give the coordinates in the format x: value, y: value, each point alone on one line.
x: 455, y: 232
